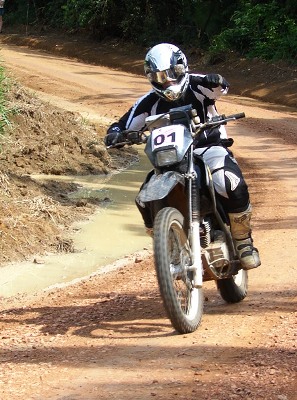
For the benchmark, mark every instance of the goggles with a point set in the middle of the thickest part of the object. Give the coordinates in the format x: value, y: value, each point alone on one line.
x: 168, y: 75
x: 162, y: 77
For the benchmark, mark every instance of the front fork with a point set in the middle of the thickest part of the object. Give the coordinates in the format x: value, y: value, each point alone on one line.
x: 194, y: 216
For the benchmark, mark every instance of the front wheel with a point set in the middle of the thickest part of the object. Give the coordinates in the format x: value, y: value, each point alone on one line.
x: 234, y: 289
x: 182, y: 301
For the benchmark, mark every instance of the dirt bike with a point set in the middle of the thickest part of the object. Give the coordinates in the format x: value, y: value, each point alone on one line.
x: 192, y: 242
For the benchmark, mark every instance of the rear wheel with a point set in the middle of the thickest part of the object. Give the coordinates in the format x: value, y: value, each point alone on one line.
x: 182, y: 301
x: 234, y: 289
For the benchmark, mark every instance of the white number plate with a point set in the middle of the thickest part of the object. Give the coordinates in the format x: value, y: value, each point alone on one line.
x: 172, y: 135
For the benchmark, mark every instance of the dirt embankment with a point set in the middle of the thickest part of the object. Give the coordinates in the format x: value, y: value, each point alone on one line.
x: 44, y: 139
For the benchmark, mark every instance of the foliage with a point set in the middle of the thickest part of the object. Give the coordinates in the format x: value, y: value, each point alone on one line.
x: 188, y: 22
x: 143, y: 21
x: 259, y: 28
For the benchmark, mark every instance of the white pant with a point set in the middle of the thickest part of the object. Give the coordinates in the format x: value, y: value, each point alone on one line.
x: 223, y: 166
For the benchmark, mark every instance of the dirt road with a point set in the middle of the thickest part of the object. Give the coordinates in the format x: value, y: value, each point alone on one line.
x: 107, y: 336
x: 100, y: 94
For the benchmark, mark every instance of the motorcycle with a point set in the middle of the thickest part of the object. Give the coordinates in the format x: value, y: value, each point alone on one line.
x: 192, y: 242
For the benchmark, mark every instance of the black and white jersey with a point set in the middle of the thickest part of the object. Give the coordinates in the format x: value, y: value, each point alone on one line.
x: 198, y: 94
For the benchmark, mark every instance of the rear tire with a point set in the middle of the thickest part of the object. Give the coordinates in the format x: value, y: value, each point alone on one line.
x: 183, y: 303
x: 234, y: 289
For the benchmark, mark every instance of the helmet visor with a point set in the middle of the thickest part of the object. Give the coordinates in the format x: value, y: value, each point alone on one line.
x: 161, y: 77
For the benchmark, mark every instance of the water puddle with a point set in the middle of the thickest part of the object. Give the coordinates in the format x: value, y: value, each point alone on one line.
x: 113, y: 232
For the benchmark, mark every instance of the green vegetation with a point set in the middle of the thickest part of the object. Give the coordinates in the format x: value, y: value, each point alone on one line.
x: 257, y: 28
x: 4, y: 112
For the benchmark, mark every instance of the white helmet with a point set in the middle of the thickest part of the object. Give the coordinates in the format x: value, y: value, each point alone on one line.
x: 166, y: 67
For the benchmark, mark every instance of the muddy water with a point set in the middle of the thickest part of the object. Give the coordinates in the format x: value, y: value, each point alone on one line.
x: 114, y: 232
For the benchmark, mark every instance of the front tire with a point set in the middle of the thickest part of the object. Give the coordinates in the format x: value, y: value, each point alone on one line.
x: 183, y: 303
x: 234, y: 289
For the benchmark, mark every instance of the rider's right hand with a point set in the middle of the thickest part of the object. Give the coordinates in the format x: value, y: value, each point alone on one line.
x: 113, y: 136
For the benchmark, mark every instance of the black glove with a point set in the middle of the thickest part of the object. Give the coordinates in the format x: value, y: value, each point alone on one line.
x: 113, y: 136
x: 215, y: 80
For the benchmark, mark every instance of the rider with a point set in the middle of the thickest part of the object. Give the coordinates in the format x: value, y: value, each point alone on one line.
x: 166, y: 68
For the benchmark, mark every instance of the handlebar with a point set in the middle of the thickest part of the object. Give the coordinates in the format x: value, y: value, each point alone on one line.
x: 237, y: 116
x: 217, y: 121
x: 131, y: 137
x: 224, y: 119
x: 139, y: 137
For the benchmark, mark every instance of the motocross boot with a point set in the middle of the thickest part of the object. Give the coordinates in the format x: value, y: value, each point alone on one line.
x: 240, y: 224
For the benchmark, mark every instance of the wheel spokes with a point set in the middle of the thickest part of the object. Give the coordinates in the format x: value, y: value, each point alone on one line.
x: 179, y: 261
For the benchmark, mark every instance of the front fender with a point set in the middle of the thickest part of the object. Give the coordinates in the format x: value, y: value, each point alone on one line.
x: 159, y: 186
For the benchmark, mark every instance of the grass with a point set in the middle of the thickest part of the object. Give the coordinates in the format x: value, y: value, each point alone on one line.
x: 4, y: 111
